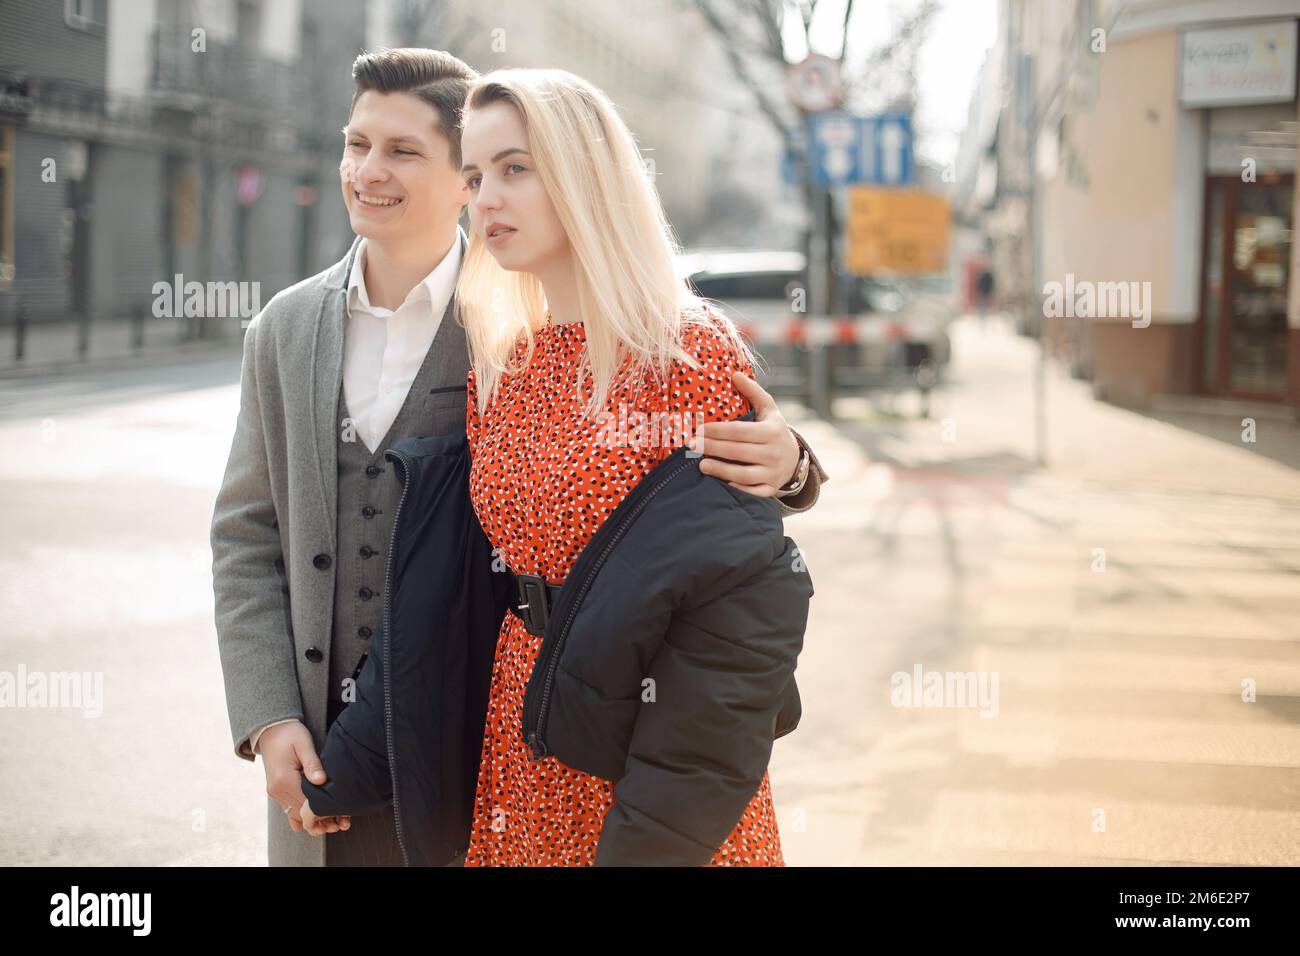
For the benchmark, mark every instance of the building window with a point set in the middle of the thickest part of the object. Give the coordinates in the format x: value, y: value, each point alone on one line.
x: 248, y: 24
x: 6, y: 206
x: 89, y: 15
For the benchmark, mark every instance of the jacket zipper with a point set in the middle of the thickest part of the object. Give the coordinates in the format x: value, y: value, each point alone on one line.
x: 388, y: 647
x: 535, y: 740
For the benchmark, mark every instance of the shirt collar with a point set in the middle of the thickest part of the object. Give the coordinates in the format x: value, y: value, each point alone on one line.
x: 438, y: 285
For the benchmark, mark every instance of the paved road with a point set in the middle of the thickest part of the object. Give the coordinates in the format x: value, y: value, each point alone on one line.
x: 107, y: 482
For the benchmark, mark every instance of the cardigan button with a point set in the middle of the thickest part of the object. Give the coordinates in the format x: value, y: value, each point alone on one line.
x: 314, y: 655
x: 363, y: 631
x: 322, y: 561
x: 366, y: 594
x: 367, y: 551
x: 372, y: 470
x: 368, y: 511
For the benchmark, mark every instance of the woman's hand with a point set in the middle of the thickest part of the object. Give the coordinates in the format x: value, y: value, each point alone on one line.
x: 765, y: 448
x: 319, y: 826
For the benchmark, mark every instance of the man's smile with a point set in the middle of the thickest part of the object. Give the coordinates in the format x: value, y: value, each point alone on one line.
x: 372, y: 199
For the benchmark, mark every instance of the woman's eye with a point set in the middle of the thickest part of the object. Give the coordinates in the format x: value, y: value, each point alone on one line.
x: 357, y: 143
x: 473, y: 182
x: 514, y: 166
x: 404, y: 152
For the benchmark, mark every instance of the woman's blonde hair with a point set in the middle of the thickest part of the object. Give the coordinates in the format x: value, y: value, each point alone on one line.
x: 630, y: 298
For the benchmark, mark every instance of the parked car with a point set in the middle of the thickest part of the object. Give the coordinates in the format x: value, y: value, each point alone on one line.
x: 892, y: 332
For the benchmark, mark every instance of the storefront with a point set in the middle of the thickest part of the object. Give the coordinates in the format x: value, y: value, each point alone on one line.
x: 1243, y: 324
x: 1243, y: 78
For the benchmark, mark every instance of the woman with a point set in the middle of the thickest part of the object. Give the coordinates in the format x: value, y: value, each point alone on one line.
x: 576, y: 321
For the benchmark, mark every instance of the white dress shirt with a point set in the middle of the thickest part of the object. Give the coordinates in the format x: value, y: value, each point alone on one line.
x: 383, y: 351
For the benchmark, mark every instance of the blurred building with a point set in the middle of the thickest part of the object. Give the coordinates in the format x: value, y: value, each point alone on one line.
x: 146, y: 140
x: 716, y: 162
x: 150, y: 139
x: 1165, y: 154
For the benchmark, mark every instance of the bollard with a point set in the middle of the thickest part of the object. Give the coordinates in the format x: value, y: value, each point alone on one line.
x: 927, y: 376
x: 819, y: 380
x: 846, y: 356
x: 137, y: 329
x: 803, y: 362
x: 20, y: 330
x: 83, y: 333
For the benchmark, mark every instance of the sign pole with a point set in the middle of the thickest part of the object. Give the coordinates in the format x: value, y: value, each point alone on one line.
x: 1030, y: 120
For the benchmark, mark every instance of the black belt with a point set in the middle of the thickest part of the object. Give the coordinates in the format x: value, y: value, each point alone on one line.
x: 536, y: 598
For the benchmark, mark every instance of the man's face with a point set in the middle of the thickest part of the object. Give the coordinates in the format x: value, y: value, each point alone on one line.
x: 398, y: 180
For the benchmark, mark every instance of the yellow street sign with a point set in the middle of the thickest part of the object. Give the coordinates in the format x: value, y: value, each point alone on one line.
x: 896, y: 230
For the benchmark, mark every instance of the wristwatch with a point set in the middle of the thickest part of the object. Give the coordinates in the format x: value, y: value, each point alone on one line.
x: 795, y: 485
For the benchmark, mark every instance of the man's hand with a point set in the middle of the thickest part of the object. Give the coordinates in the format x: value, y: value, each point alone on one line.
x: 765, y: 449
x: 287, y: 753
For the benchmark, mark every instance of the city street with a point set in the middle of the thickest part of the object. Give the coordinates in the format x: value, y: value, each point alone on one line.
x: 1120, y: 734
x: 1125, y: 597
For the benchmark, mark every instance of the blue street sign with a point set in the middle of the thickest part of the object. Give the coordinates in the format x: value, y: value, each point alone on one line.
x: 860, y: 150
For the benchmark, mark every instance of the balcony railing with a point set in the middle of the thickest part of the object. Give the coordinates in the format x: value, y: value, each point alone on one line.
x: 223, y: 71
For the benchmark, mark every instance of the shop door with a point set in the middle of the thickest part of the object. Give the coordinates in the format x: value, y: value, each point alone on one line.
x: 1243, y: 327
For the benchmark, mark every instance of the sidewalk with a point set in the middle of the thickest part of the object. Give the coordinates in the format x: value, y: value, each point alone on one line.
x: 1126, y: 596
x: 53, y: 348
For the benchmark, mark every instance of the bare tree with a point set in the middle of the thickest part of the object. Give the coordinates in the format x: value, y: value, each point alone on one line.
x: 752, y: 36
x: 419, y: 22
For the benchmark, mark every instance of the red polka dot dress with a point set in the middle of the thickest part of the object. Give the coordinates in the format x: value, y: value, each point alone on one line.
x: 542, y: 483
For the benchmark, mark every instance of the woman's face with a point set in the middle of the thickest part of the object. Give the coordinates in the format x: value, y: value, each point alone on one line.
x: 509, y: 208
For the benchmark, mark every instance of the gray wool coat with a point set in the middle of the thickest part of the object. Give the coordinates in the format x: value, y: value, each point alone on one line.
x: 273, y: 523
x: 274, y: 515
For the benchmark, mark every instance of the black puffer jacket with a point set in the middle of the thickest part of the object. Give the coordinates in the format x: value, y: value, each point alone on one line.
x: 667, y: 663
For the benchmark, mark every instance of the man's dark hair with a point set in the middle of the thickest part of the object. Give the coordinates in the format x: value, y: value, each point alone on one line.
x: 435, y: 76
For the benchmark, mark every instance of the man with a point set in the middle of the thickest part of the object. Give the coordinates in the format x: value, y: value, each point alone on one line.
x: 337, y: 369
